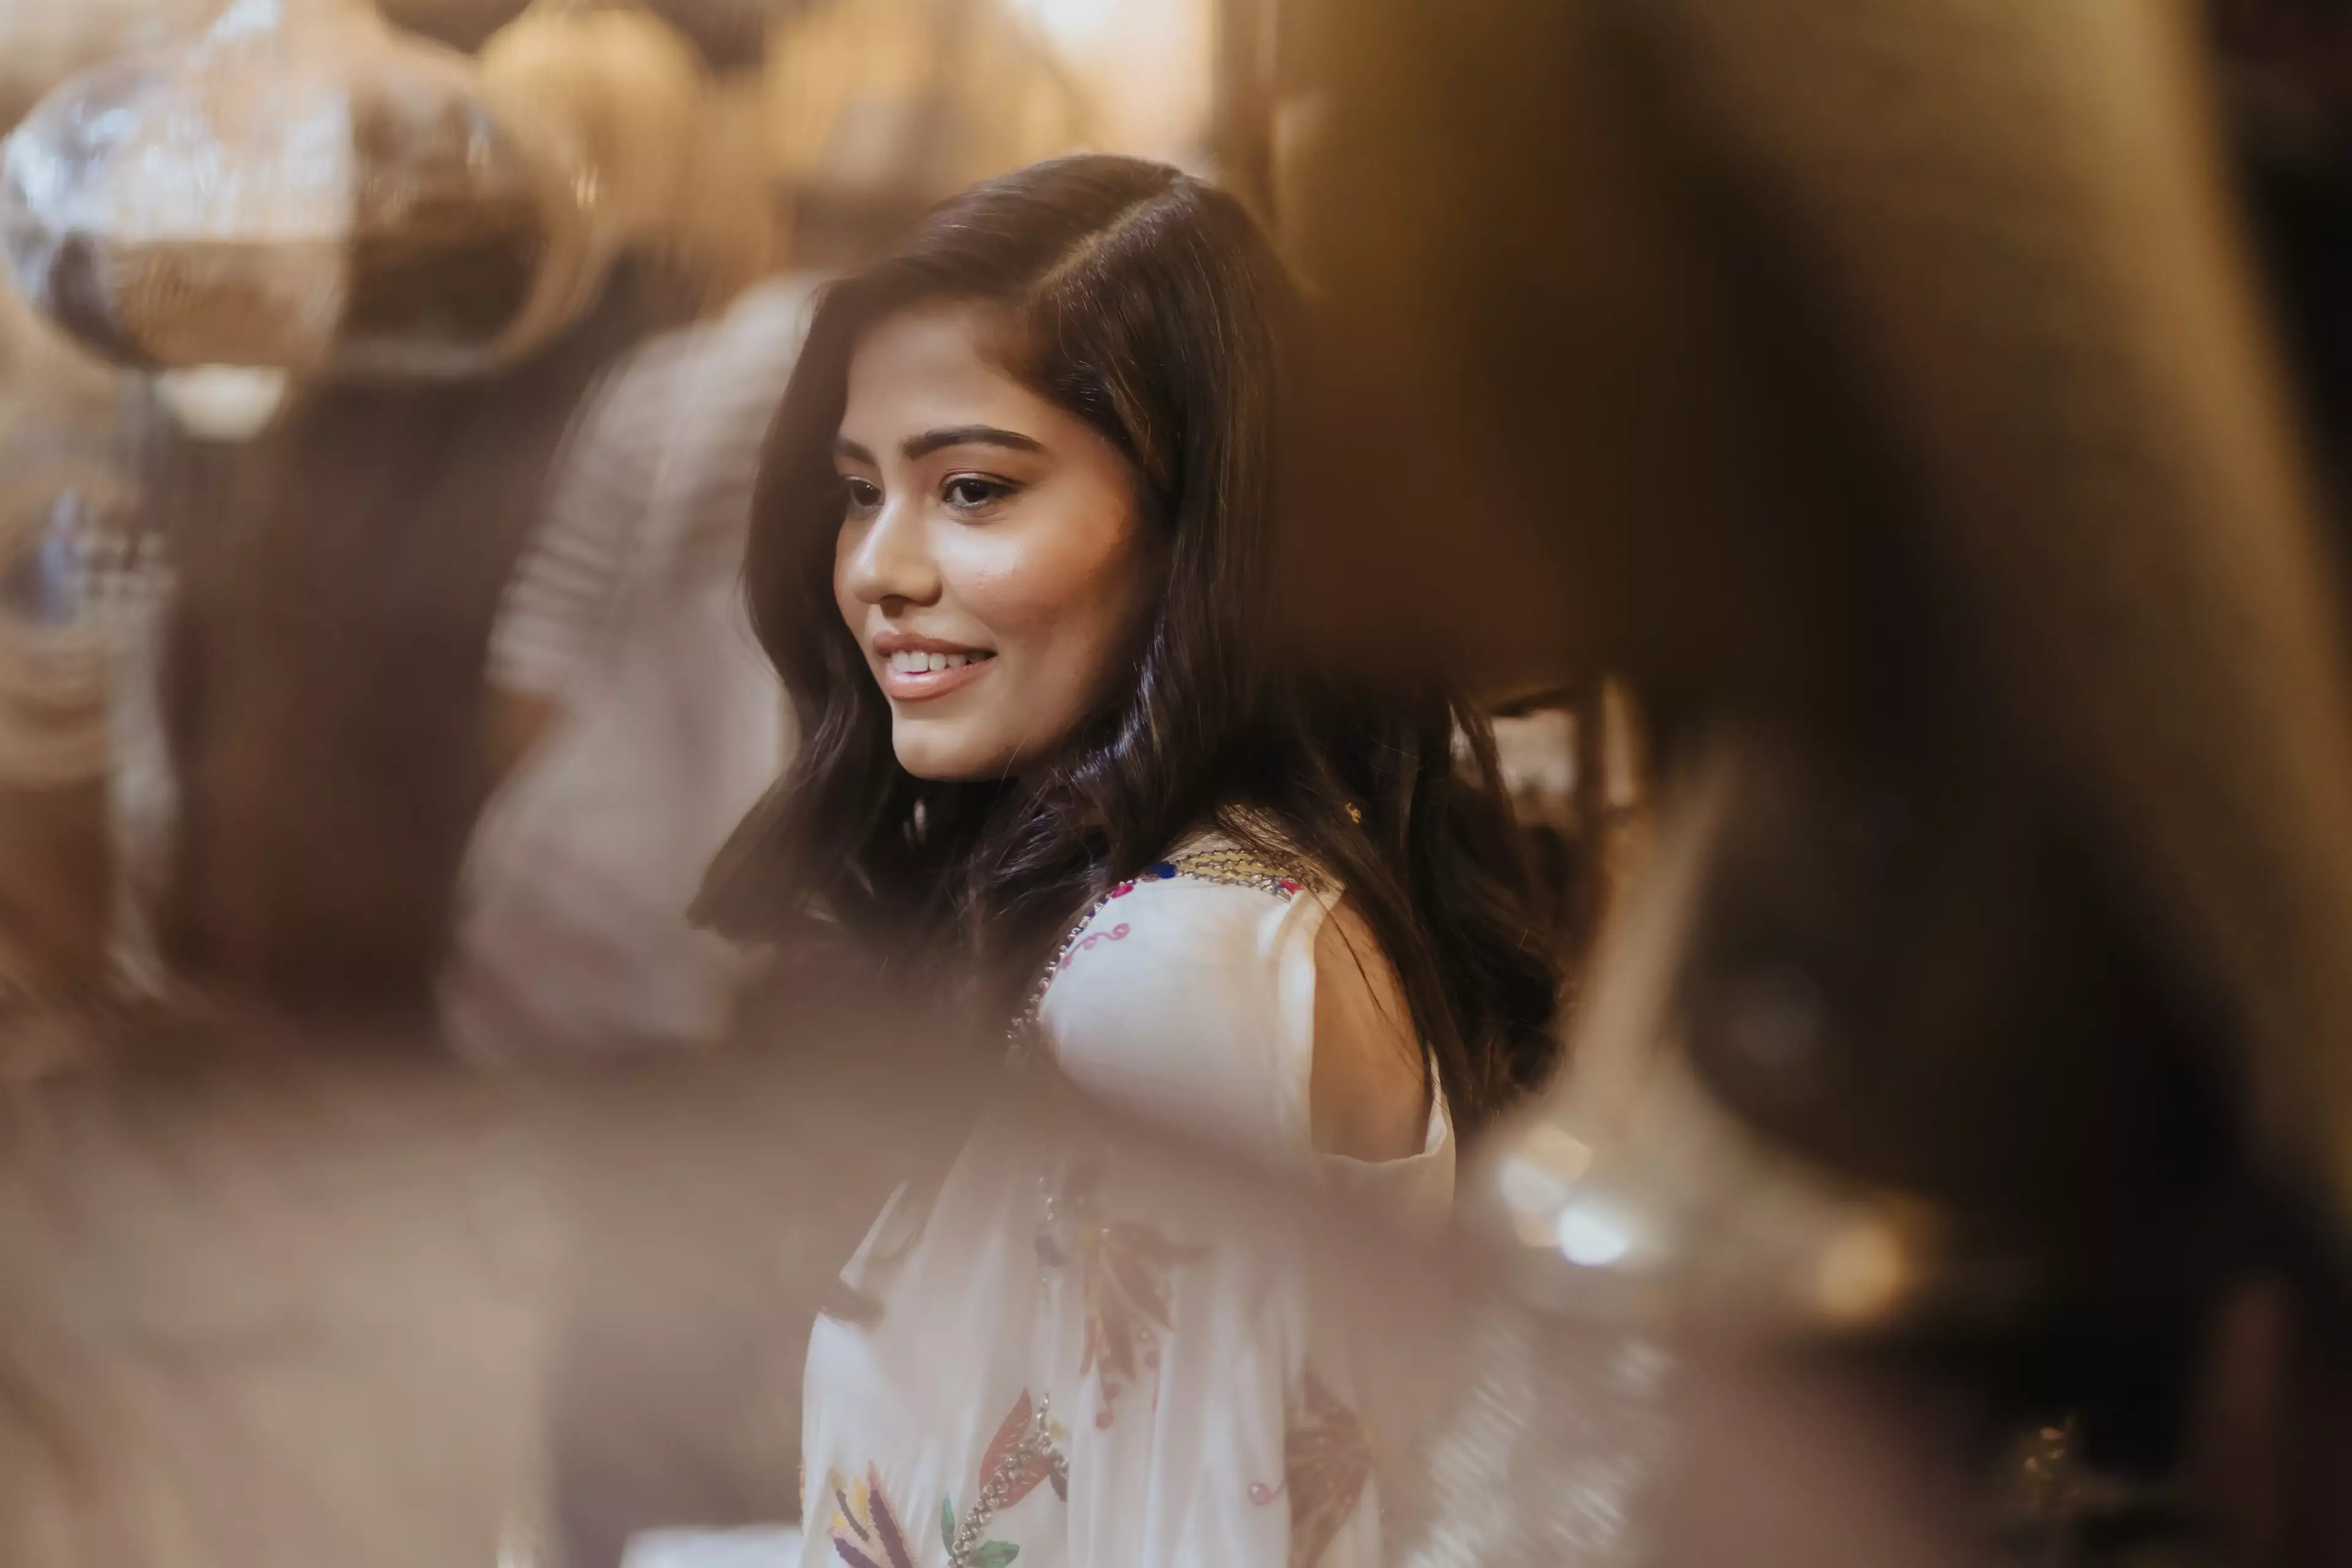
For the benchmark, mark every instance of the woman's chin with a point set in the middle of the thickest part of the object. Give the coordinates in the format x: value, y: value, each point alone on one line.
x: 945, y: 758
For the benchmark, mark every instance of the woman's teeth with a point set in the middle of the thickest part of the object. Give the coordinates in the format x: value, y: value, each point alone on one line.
x: 911, y: 663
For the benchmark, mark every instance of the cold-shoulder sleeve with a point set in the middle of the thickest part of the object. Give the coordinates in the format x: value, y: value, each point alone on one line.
x: 1187, y: 998
x: 1189, y: 1002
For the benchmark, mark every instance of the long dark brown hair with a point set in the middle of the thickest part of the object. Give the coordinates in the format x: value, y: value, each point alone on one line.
x: 1149, y: 304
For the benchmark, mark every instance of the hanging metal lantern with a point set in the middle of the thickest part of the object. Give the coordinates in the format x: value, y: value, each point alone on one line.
x: 305, y: 191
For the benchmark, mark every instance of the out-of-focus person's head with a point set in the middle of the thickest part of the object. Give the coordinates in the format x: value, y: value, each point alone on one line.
x: 1035, y: 449
x: 1689, y: 358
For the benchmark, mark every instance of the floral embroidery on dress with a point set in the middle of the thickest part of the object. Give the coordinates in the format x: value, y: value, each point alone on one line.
x: 1123, y: 1275
x: 1327, y: 1462
x: 1226, y: 868
x: 864, y: 1532
x: 1116, y: 934
x: 1025, y: 1451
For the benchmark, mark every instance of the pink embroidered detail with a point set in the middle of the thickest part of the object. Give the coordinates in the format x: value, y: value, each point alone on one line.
x: 1327, y: 1462
x: 1224, y: 867
x: 1125, y: 1278
x: 1116, y: 934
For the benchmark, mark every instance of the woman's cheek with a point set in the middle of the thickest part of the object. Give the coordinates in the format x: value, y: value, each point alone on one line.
x: 1015, y: 587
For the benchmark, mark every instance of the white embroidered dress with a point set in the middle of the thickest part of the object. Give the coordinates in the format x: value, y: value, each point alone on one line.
x: 1044, y: 1362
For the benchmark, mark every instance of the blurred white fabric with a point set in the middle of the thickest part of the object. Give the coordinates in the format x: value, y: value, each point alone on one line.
x: 761, y: 1548
x: 627, y: 612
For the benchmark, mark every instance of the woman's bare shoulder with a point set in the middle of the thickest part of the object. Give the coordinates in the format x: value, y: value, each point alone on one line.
x: 1369, y: 1096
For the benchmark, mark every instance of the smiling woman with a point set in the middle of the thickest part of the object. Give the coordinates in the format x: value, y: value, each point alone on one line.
x: 1036, y: 449
x: 995, y: 568
x: 1013, y: 558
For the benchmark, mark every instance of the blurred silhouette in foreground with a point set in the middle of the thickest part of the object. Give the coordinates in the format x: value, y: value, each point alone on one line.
x: 1884, y: 393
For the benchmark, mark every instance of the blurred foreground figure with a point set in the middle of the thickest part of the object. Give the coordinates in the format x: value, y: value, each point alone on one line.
x: 263, y: 1312
x: 1881, y: 388
x: 275, y: 1299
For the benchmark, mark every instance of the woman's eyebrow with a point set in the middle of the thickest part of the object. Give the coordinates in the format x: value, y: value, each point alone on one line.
x: 930, y: 441
x: 843, y: 447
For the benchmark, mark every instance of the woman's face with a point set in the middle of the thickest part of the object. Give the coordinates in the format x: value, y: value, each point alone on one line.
x: 993, y: 561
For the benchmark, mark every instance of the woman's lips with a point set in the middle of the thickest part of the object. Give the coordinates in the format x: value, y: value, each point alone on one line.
x: 903, y: 682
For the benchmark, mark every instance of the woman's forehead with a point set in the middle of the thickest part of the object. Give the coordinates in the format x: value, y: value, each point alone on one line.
x: 933, y: 359
x: 943, y: 366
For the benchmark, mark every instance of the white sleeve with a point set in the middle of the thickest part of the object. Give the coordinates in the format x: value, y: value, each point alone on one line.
x: 663, y: 459
x: 598, y: 500
x: 1191, y: 1005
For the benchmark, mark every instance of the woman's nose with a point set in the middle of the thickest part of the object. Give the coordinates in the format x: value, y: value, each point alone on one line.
x: 893, y: 560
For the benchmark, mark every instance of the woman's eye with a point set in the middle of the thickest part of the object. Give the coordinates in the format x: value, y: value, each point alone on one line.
x: 970, y: 492
x: 863, y: 495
